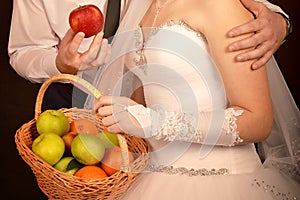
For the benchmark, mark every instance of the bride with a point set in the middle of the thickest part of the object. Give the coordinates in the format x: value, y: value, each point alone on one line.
x: 176, y: 85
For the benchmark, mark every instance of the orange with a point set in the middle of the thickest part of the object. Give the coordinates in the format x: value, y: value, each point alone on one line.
x: 90, y: 172
x: 84, y: 126
x: 112, y: 160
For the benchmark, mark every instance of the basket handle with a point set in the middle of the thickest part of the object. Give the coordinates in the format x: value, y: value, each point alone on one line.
x: 86, y: 86
x: 83, y: 84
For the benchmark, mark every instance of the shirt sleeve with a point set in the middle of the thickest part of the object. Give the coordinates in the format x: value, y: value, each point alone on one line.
x: 32, y: 42
x: 273, y: 7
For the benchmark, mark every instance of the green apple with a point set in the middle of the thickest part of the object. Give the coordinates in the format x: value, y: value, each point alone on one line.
x: 72, y: 171
x: 108, y: 139
x: 52, y: 121
x: 68, y: 164
x: 63, y: 163
x: 87, y: 149
x: 49, y: 146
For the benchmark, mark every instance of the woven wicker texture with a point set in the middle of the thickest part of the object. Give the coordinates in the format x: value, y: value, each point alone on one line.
x: 60, y: 185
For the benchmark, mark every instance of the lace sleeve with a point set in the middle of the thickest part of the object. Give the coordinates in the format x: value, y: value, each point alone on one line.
x: 171, y: 126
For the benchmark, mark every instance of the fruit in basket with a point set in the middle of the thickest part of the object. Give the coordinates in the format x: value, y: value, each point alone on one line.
x: 88, y: 19
x: 52, y: 121
x: 108, y: 139
x: 87, y: 149
x: 90, y: 172
x: 84, y: 126
x: 112, y: 160
x: 68, y: 139
x: 68, y: 164
x: 49, y: 147
x: 72, y: 171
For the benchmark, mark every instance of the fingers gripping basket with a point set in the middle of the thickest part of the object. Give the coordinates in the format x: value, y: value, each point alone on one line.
x: 60, y: 185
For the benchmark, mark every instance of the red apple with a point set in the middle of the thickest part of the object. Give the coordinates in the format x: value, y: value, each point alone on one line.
x: 68, y: 139
x: 87, y: 19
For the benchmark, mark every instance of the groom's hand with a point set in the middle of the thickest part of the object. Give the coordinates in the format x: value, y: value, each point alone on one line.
x: 69, y: 60
x: 270, y: 29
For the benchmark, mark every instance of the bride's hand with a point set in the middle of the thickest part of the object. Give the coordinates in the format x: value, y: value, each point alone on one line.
x: 116, y: 116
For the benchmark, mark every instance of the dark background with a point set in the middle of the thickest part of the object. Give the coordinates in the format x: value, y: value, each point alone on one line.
x: 18, y: 99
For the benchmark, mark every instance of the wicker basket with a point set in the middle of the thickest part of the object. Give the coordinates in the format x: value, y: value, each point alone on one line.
x: 60, y: 185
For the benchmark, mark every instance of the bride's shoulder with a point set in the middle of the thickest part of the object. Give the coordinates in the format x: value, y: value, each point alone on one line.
x: 213, y: 6
x: 226, y: 12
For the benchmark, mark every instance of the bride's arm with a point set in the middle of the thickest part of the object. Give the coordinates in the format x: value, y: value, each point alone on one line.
x: 246, y: 89
x: 122, y: 114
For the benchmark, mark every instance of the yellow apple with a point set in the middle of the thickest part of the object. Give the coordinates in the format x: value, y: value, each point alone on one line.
x: 68, y: 164
x: 72, y: 171
x: 87, y: 149
x: 49, y: 146
x: 108, y: 139
x: 52, y: 121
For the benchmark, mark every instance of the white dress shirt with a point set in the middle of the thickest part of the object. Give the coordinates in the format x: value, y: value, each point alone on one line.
x: 37, y: 28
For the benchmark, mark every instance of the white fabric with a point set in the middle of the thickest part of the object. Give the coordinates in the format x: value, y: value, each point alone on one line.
x: 265, y: 185
x: 245, y: 177
x: 167, y: 126
x: 281, y: 149
x: 37, y: 28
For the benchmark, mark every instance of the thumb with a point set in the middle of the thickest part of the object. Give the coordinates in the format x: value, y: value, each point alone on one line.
x: 251, y: 5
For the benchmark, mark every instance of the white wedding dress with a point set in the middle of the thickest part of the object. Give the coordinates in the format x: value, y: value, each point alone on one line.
x: 182, y: 170
x: 178, y: 75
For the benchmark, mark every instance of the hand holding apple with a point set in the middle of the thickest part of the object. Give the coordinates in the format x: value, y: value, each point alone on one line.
x: 70, y: 59
x: 87, y: 19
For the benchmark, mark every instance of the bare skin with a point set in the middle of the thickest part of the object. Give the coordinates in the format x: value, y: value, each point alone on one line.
x: 70, y: 60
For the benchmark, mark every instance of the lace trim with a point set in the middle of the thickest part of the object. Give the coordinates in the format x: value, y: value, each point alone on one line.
x: 179, y: 23
x: 189, y: 172
x: 177, y: 126
x: 230, y: 125
x: 140, y: 58
x: 183, y: 127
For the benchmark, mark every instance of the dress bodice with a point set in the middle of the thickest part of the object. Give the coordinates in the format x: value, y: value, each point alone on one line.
x: 181, y: 76
x: 173, y: 71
